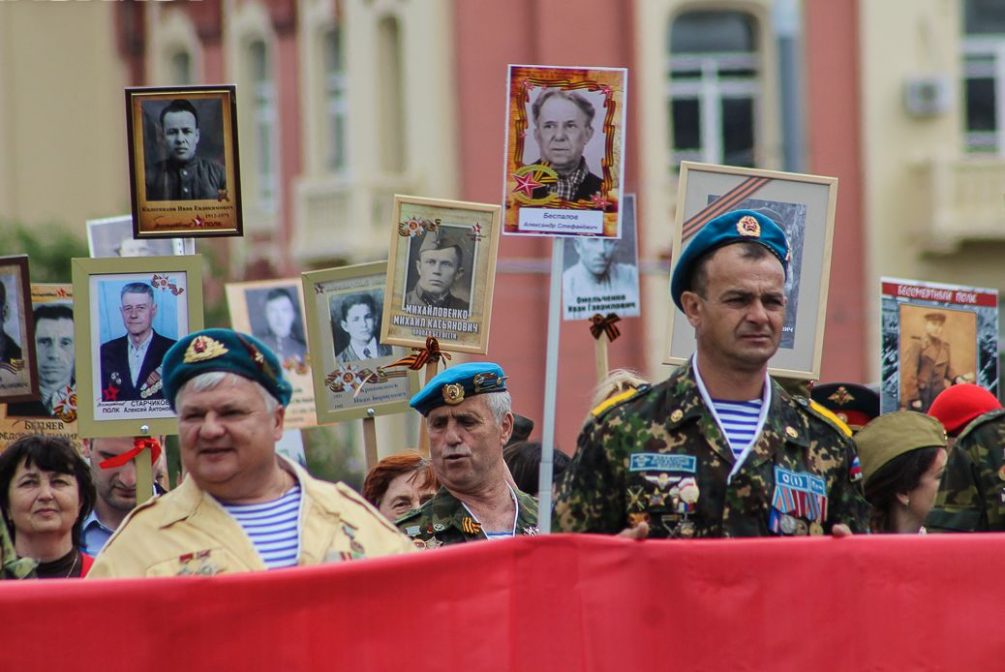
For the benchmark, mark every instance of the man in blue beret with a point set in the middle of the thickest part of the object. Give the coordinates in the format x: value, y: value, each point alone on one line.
x: 469, y: 415
x: 241, y: 506
x: 718, y: 449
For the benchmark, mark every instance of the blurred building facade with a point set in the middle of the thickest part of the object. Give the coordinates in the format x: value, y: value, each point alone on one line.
x: 343, y: 103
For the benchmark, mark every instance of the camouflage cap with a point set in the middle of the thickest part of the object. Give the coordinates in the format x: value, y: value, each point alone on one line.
x: 894, y: 434
x: 737, y: 226
x: 228, y: 351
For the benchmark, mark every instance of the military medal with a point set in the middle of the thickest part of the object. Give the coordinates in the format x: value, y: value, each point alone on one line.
x: 1001, y: 473
x: 686, y: 529
x: 816, y: 529
x: 788, y: 524
x: 802, y: 529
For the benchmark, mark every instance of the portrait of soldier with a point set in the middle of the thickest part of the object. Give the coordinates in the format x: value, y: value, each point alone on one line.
x: 283, y: 325
x: 54, y: 343
x: 131, y: 364
x: 182, y: 175
x: 439, y: 268
x: 928, y: 366
x: 9, y: 348
x: 358, y: 319
x: 596, y: 273
x: 563, y: 125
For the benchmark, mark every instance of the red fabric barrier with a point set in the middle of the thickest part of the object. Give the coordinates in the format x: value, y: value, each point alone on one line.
x: 541, y: 603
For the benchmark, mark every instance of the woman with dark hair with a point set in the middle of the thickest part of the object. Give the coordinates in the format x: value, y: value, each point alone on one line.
x: 45, y: 494
x: 399, y: 483
x: 903, y: 456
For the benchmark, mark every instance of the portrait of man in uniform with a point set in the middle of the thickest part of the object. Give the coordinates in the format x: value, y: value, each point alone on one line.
x: 356, y: 322
x: 440, y: 273
x: 131, y: 364
x: 929, y: 362
x: 283, y: 327
x: 182, y: 174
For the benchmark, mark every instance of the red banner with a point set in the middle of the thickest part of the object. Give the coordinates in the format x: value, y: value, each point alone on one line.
x: 555, y: 603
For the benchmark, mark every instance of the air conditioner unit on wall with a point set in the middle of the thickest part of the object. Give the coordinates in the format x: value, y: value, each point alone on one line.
x: 927, y: 95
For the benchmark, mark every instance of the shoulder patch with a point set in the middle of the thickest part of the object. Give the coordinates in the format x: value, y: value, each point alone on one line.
x: 617, y: 399
x: 826, y: 414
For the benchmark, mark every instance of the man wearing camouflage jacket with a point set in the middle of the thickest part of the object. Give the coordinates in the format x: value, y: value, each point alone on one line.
x: 718, y: 449
x: 972, y: 493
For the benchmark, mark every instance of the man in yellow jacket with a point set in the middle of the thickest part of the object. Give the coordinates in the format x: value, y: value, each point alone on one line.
x: 241, y: 507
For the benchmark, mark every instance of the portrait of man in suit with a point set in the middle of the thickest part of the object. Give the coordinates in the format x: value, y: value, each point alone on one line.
x: 131, y: 364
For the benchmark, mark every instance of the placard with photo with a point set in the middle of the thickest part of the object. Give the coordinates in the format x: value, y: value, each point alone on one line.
x: 18, y: 377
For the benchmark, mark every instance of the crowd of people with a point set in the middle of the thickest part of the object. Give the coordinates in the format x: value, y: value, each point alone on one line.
x: 719, y: 449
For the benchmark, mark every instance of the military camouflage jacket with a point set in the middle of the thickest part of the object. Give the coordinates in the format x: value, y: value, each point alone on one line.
x: 444, y: 520
x: 660, y: 457
x: 972, y: 493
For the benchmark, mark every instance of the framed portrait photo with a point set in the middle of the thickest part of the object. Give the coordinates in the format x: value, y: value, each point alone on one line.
x: 18, y: 377
x: 132, y: 312
x: 803, y: 205
x: 184, y: 168
x: 273, y: 312
x: 441, y: 274
x: 344, y: 311
x: 935, y: 335
x: 113, y: 237
x: 601, y: 275
x: 54, y: 413
x: 565, y: 139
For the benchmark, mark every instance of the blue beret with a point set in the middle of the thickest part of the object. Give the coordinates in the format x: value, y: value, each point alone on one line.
x: 738, y: 226
x: 457, y: 383
x: 228, y: 351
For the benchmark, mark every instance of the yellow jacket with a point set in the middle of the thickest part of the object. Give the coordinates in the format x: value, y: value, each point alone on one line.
x: 187, y: 532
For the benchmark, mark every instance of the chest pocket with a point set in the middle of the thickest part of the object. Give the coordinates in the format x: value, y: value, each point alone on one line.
x: 205, y: 562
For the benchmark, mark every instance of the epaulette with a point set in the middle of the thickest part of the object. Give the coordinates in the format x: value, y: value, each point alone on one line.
x: 617, y: 399
x: 980, y: 420
x: 825, y: 414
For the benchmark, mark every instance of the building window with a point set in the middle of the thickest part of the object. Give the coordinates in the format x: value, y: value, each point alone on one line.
x: 180, y: 68
x: 984, y: 76
x: 336, y: 100
x: 264, y: 125
x: 713, y: 88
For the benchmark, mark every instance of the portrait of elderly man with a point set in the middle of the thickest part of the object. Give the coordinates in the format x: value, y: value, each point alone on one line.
x: 718, y: 449
x: 282, y: 324
x: 130, y: 364
x: 241, y: 507
x: 359, y: 316
x: 54, y: 348
x: 439, y: 268
x: 9, y: 348
x: 596, y: 273
x: 563, y: 125
x: 182, y: 175
x: 468, y: 412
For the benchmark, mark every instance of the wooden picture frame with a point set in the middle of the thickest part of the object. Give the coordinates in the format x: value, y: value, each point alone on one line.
x: 804, y: 206
x: 273, y: 312
x: 111, y: 399
x: 349, y: 383
x: 452, y: 305
x: 18, y: 374
x: 184, y: 167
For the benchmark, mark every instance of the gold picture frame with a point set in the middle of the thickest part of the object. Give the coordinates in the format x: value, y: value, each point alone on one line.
x: 112, y: 399
x: 18, y: 375
x: 349, y: 383
x: 452, y: 305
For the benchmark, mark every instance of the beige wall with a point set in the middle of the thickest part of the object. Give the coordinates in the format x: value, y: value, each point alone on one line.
x: 62, y: 116
x: 900, y: 39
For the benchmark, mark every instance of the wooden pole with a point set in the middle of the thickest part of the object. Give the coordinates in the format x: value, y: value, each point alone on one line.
x: 370, y: 439
x: 550, y: 388
x: 431, y: 370
x: 600, y: 355
x: 144, y: 474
